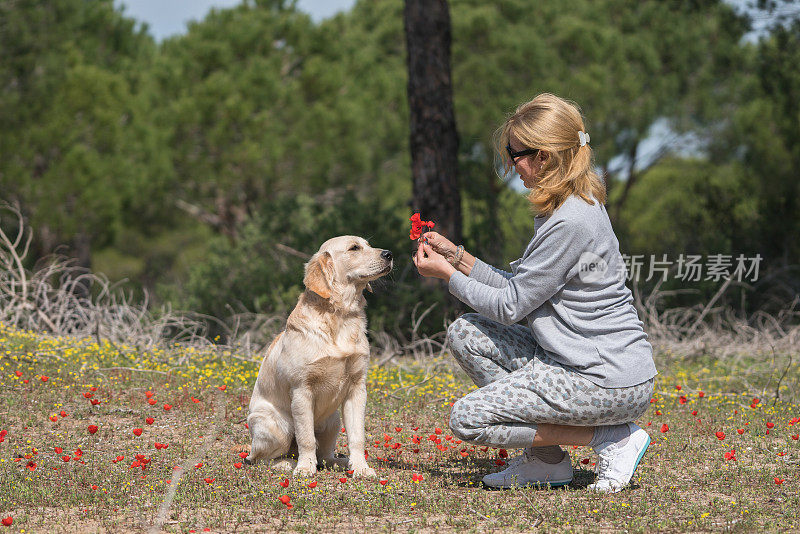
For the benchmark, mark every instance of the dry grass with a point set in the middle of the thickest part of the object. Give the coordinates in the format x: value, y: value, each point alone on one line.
x: 684, y: 483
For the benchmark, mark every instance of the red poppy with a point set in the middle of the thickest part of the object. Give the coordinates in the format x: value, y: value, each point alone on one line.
x: 95, y: 402
x: 437, y: 430
x: 795, y: 436
x: 7, y: 521
x: 31, y: 465
x: 63, y: 413
x: 238, y: 465
x: 43, y: 378
x: 151, y: 402
x: 720, y: 435
x: 243, y: 454
x: 285, y: 499
x: 285, y: 483
x: 94, y: 487
x: 502, y: 453
x: 398, y: 429
x: 383, y: 482
x: 740, y: 431
x: 208, y: 480
x: 198, y: 466
x: 770, y: 425
x: 694, y: 412
x: 664, y: 428
x: 731, y: 455
x: 701, y: 394
x: 148, y: 394
x: 312, y: 484
x: 197, y: 400
x: 137, y: 432
x: 658, y: 412
x: 418, y: 226
x: 222, y: 387
x: 149, y: 420
x: 53, y: 418
x: 92, y: 429
x: 343, y: 480
x: 678, y: 388
x: 88, y: 395
x: 417, y: 478
x: 58, y: 450
x: 167, y: 407
x: 778, y: 481
x: 682, y: 399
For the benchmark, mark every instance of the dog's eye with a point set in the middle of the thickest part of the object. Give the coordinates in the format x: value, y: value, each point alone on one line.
x: 355, y: 247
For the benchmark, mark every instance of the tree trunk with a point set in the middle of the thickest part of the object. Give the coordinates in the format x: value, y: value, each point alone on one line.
x: 434, y: 141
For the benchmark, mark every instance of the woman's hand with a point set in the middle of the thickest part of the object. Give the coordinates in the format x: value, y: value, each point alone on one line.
x: 432, y: 264
x: 441, y: 245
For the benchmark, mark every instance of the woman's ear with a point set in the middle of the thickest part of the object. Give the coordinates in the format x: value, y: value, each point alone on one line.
x: 319, y: 275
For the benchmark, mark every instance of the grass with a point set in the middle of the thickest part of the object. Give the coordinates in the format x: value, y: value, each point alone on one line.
x: 684, y: 482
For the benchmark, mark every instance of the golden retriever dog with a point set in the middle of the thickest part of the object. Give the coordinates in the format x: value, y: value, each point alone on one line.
x: 318, y: 364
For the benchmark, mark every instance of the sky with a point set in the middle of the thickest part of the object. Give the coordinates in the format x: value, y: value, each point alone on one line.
x: 169, y: 17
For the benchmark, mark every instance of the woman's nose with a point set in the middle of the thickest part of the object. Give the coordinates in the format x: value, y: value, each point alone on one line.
x: 386, y: 255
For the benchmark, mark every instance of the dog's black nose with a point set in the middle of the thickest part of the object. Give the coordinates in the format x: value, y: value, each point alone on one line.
x: 386, y: 255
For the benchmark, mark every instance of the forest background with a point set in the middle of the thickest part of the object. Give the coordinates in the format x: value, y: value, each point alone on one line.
x: 203, y: 170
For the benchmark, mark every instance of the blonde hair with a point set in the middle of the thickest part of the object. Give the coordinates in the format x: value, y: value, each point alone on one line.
x: 551, y: 124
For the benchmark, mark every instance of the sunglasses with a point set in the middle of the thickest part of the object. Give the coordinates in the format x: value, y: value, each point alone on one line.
x: 524, y: 152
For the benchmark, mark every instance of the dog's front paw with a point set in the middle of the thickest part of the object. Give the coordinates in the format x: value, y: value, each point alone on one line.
x: 364, y: 471
x: 305, y: 469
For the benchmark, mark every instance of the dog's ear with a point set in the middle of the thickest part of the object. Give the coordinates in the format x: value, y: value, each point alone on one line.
x: 319, y: 275
x: 369, y: 287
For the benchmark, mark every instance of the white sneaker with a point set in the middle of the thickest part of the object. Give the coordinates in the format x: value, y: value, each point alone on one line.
x: 527, y: 470
x: 617, y: 463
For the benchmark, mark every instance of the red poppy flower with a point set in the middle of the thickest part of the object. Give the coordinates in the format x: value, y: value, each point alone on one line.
x: 312, y: 484
x: 343, y: 480
x: 95, y: 402
x: 795, y: 436
x: 658, y: 412
x: 137, y: 432
x: 678, y: 388
x: 398, y: 429
x: 731, y: 455
x: 383, y: 482
x: 778, y: 481
x: 195, y: 400
x: 585, y: 461
x: 18, y: 373
x: 720, y: 435
x: 285, y: 499
x: 148, y: 394
x: 701, y: 394
x: 149, y: 420
x: 664, y: 428
x: 417, y: 478
x: 208, y: 480
x: 43, y: 378
x: 151, y: 402
x: 285, y: 483
x: 53, y: 418
x: 58, y: 450
x: 92, y: 429
x: 682, y: 399
x: 694, y: 412
x: 94, y: 487
x: 418, y: 226
x: 437, y: 430
x: 7, y: 521
x: 167, y: 407
x: 63, y: 413
x: 198, y: 466
x: 770, y: 425
x: 31, y: 465
x: 243, y: 454
x: 502, y: 453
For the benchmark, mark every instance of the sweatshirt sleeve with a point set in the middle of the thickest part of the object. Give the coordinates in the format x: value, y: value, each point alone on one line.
x: 552, y: 261
x: 491, y: 276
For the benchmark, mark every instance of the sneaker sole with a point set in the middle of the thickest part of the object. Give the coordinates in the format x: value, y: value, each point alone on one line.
x: 639, y: 458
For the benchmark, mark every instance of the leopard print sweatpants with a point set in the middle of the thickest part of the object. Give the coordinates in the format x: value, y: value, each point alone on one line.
x: 521, y: 386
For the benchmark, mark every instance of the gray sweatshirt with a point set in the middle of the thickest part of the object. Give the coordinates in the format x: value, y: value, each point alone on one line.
x: 569, y: 286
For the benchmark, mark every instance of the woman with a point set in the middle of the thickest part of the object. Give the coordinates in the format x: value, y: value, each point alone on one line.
x: 556, y: 348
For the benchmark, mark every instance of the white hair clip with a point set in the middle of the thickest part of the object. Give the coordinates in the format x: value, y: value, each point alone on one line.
x: 583, y: 137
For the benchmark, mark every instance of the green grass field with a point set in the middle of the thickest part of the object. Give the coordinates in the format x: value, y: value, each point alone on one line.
x: 57, y: 476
